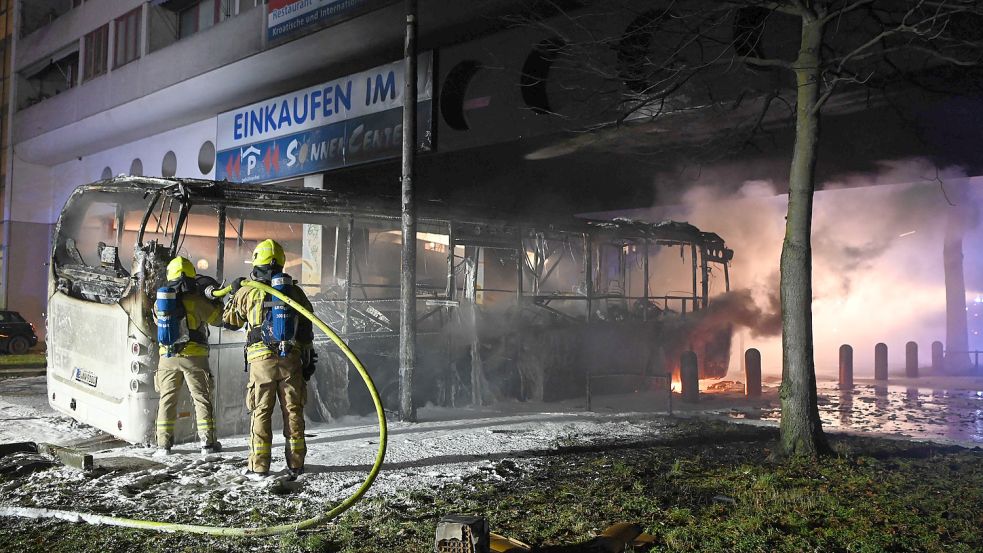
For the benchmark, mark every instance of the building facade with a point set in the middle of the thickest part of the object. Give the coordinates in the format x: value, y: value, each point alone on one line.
x: 195, y: 89
x: 308, y: 93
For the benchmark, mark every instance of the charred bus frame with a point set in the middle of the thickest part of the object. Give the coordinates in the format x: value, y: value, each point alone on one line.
x: 504, y: 287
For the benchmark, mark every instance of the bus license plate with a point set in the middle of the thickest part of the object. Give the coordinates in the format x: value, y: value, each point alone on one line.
x: 86, y: 377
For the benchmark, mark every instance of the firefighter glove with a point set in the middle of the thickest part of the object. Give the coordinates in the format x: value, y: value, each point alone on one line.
x: 237, y: 283
x: 310, y: 366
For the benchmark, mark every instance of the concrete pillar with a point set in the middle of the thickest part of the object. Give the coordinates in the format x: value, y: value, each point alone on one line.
x: 880, y: 361
x: 846, y: 366
x: 911, y: 360
x: 689, y: 376
x: 752, y: 373
x: 938, y: 358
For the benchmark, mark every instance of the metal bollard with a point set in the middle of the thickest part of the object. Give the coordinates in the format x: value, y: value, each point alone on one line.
x: 880, y: 361
x: 752, y: 373
x: 938, y: 358
x: 846, y: 366
x: 911, y: 360
x: 689, y: 376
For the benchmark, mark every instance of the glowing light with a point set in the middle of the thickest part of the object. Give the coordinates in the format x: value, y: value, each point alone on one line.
x: 909, y: 233
x: 202, y: 264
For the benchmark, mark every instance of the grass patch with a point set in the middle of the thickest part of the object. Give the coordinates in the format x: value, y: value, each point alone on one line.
x: 26, y: 361
x: 707, y: 487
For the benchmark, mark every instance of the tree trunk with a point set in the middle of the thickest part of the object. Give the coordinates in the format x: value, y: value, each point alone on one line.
x: 801, y: 428
x: 956, y: 327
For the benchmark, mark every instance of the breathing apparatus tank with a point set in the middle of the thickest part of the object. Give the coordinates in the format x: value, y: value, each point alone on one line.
x: 170, y: 318
x: 283, y: 317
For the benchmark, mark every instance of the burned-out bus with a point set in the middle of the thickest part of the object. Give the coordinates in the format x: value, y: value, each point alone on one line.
x: 506, y: 309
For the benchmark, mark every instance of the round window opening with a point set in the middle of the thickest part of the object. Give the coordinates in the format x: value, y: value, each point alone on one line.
x: 107, y: 173
x: 136, y: 168
x: 169, y: 167
x: 206, y: 157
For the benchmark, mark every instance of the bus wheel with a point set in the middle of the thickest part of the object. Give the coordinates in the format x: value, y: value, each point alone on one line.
x: 18, y: 345
x: 327, y: 390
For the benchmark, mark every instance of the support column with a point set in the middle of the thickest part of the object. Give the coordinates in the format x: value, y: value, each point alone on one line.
x: 911, y: 360
x: 938, y: 358
x: 880, y: 361
x: 689, y: 376
x: 407, y: 287
x: 752, y: 373
x: 846, y: 366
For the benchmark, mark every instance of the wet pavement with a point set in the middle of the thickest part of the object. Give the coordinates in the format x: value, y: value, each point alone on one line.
x: 939, y: 409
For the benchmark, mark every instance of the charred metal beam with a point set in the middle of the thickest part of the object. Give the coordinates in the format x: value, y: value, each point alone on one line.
x: 155, y: 197
x: 348, y: 273
x: 705, y: 272
x: 220, y: 256
x: 692, y: 251
x: 68, y: 456
x: 645, y: 286
x: 451, y: 284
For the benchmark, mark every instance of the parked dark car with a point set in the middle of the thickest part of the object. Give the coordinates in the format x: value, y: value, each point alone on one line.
x: 16, y: 335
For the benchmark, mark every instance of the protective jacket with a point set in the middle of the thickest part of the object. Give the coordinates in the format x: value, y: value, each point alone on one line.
x: 272, y: 377
x: 200, y: 313
x: 249, y: 307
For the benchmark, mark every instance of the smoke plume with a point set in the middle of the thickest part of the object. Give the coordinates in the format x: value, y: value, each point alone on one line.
x: 877, y: 257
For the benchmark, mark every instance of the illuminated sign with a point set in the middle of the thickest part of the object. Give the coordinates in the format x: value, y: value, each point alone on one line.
x: 290, y: 18
x: 347, y: 121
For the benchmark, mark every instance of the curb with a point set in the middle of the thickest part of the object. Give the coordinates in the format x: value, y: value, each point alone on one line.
x: 23, y: 371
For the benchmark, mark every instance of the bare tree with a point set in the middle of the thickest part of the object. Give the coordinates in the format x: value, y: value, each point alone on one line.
x: 723, y: 73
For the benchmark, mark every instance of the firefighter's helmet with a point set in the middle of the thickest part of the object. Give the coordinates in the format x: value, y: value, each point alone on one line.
x: 268, y: 251
x: 180, y: 267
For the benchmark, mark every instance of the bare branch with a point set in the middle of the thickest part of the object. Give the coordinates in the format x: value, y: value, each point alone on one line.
x: 765, y: 62
x: 792, y: 7
x: 845, y: 10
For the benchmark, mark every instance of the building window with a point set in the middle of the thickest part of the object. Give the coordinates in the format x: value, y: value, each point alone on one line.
x: 171, y: 20
x: 202, y: 15
x: 41, y: 82
x: 128, y: 37
x: 96, y: 52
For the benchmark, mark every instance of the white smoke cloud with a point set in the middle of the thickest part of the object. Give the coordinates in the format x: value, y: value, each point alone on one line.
x: 877, y: 257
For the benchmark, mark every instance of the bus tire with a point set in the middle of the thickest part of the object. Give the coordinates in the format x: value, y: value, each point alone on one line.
x: 327, y: 390
x: 18, y: 345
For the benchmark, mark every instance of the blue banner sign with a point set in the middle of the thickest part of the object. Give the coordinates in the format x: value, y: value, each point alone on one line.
x: 360, y: 140
x: 290, y: 18
x: 352, y: 120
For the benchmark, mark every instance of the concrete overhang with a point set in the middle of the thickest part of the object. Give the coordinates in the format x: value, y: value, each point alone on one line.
x: 357, y: 44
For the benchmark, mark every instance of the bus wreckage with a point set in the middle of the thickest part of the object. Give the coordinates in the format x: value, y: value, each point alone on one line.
x: 507, y: 309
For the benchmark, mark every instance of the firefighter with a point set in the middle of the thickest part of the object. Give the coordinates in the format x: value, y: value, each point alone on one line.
x: 183, y: 315
x: 278, y: 365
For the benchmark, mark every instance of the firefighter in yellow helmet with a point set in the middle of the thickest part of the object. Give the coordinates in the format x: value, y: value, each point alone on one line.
x: 184, y: 354
x: 278, y: 365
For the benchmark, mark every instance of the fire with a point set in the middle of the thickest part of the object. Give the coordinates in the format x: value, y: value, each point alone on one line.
x: 707, y: 385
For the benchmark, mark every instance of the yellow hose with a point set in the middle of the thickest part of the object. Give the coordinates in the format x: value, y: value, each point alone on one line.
x: 224, y: 291
x: 380, y: 455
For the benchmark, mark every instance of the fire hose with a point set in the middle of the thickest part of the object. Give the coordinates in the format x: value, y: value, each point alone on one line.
x: 31, y: 512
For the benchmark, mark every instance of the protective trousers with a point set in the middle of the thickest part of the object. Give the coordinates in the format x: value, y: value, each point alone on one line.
x: 271, y: 379
x: 171, y: 373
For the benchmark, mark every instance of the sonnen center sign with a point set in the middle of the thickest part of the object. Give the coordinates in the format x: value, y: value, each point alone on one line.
x: 343, y: 122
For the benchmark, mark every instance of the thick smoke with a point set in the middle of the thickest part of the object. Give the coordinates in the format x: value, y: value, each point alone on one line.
x: 738, y: 307
x: 877, y: 259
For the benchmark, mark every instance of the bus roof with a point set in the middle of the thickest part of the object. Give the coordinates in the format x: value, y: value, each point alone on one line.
x: 314, y: 200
